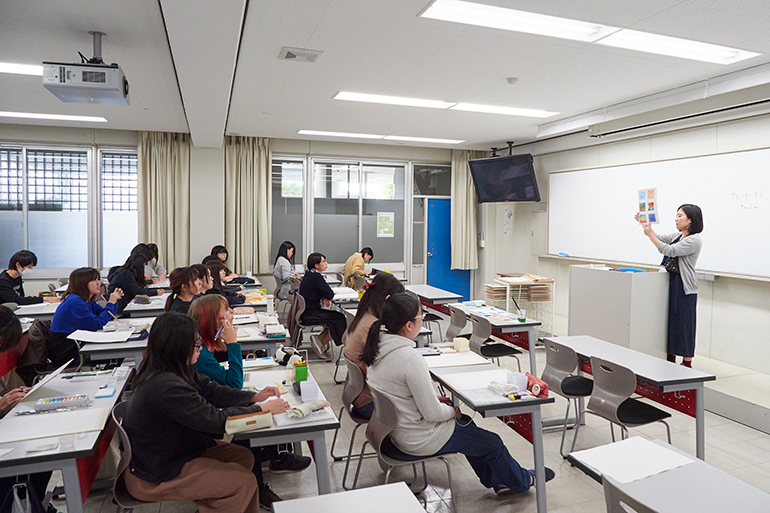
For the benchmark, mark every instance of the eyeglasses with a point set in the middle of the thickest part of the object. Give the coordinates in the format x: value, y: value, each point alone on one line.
x: 198, y: 343
x: 420, y: 317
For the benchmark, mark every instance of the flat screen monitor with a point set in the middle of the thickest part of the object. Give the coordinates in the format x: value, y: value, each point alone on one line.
x: 510, y: 178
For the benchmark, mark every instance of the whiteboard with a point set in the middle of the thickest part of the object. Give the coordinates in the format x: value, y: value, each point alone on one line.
x: 591, y: 212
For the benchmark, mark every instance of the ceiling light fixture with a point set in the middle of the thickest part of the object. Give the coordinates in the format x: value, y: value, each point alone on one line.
x: 675, y: 47
x: 469, y: 13
x: 508, y: 111
x: 423, y: 139
x: 392, y: 100
x: 340, y: 134
x: 21, y: 69
x: 53, y: 117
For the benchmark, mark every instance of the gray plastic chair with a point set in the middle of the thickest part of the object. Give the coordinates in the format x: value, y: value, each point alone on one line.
x: 280, y: 305
x: 353, y: 388
x: 457, y: 321
x: 359, y: 282
x: 296, y: 337
x: 123, y: 498
x: 611, y: 399
x: 340, y: 278
x: 482, y: 330
x: 349, y: 318
x: 378, y: 431
x: 560, y: 364
x: 13, y: 306
x: 619, y: 502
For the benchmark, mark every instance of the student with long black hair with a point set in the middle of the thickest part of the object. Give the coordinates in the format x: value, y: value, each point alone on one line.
x: 185, y: 284
x: 369, y: 311
x: 130, y: 278
x: 428, y: 424
x: 218, y: 273
x: 318, y: 296
x: 283, y: 269
x: 153, y: 267
x: 174, y: 419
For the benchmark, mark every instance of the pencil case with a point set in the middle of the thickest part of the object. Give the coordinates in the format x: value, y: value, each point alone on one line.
x: 248, y: 422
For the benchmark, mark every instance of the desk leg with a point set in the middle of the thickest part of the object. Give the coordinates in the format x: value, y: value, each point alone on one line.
x: 71, y: 480
x: 700, y: 423
x: 531, y: 343
x: 321, y: 464
x: 537, y: 449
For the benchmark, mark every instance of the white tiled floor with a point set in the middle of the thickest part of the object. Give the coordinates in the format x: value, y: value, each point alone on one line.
x: 732, y: 447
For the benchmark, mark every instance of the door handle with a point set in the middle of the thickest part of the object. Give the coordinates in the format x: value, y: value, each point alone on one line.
x: 430, y: 254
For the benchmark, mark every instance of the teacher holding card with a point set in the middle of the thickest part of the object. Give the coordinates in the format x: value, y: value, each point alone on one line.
x: 680, y: 253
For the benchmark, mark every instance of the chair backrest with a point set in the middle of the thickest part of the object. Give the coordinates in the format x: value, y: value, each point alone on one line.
x: 13, y: 306
x: 278, y: 286
x: 340, y: 277
x: 295, y: 282
x: 482, y: 329
x: 52, y: 287
x: 354, y: 385
x: 63, y: 281
x: 560, y: 362
x: 457, y: 321
x: 613, y: 384
x: 619, y: 502
x: 296, y: 310
x: 119, y: 490
x: 34, y: 359
x: 358, y: 281
x: 383, y: 420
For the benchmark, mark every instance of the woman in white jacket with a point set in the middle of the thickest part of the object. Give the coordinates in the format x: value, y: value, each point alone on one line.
x: 428, y: 424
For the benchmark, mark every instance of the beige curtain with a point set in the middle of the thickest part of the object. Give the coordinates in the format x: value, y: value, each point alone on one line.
x: 248, y: 198
x: 463, y: 222
x: 164, y: 195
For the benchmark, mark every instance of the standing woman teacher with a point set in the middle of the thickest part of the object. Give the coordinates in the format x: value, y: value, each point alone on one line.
x: 680, y: 252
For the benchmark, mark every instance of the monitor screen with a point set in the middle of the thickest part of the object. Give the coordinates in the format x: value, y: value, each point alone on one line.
x: 510, y: 178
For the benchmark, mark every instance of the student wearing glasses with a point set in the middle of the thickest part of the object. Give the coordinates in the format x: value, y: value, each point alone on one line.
x: 11, y: 288
x: 428, y: 424
x: 174, y: 420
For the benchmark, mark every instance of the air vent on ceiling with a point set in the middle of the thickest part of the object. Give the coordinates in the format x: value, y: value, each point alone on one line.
x: 299, y: 54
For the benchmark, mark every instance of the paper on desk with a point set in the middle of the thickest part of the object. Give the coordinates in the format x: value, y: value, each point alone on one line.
x: 282, y: 420
x: 631, y: 459
x: 251, y: 333
x: 479, y: 396
x: 100, y: 337
x: 29, y: 427
x: 244, y: 319
x: 474, y: 380
x: 4, y: 452
x: 258, y: 363
x: 48, y: 378
x: 455, y: 359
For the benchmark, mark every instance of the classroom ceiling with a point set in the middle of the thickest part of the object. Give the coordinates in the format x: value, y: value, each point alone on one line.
x: 212, y: 68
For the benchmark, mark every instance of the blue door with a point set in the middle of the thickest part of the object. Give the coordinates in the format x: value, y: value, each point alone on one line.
x: 439, y: 259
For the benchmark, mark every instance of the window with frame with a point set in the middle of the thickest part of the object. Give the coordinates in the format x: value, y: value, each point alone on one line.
x: 120, y: 216
x: 288, y: 183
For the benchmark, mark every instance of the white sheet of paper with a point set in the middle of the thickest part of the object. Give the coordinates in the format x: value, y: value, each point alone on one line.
x: 455, y: 359
x: 100, y: 337
x: 631, y: 459
x: 474, y: 380
x: 244, y: 319
x: 250, y: 333
x: 4, y: 452
x: 48, y: 378
x: 282, y: 420
x: 29, y: 427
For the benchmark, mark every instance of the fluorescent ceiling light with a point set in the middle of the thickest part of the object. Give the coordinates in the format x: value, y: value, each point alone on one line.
x: 423, y: 139
x: 490, y: 16
x: 340, y: 134
x: 470, y: 13
x: 392, y: 100
x: 54, y: 117
x: 508, y: 111
x: 675, y: 47
x: 374, y: 136
x: 21, y: 69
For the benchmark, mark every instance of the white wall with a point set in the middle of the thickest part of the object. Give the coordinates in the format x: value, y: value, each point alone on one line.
x: 733, y: 314
x: 207, y: 201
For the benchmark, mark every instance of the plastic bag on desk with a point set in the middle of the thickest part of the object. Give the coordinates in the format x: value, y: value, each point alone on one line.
x: 537, y: 386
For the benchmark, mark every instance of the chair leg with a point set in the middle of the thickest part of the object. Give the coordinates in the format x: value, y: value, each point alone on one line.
x: 577, y: 429
x: 451, y: 486
x: 612, y: 432
x: 564, y: 431
x: 360, y: 459
x: 337, y: 368
x: 350, y: 456
x: 668, y: 431
x: 334, y: 440
x: 623, y: 432
x: 518, y: 362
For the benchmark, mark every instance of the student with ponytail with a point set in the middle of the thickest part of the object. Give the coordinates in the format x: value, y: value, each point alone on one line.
x: 428, y: 424
x: 381, y: 288
x: 185, y: 284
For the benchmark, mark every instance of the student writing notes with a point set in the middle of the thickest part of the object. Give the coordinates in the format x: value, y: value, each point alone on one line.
x: 11, y: 288
x: 355, y: 265
x: 129, y: 277
x: 173, y: 419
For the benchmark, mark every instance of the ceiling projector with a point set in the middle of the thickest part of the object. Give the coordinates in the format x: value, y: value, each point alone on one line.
x: 91, y: 81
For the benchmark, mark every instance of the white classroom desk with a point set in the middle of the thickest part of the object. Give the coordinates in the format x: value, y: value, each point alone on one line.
x: 158, y: 303
x: 434, y: 295
x: 503, y: 326
x: 42, y: 311
x: 375, y: 499
x: 697, y: 486
x: 19, y: 461
x: 660, y: 374
x: 314, y: 430
x: 420, y: 338
x: 500, y: 409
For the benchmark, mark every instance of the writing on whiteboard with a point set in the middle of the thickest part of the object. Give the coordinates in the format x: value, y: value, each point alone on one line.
x: 747, y: 200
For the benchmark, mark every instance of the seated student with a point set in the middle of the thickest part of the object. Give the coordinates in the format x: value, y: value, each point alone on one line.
x: 206, y: 281
x: 428, y: 424
x: 218, y: 273
x: 79, y: 311
x: 283, y: 269
x: 153, y: 268
x: 130, y: 278
x: 319, y: 294
x: 220, y: 343
x: 185, y: 285
x: 369, y: 310
x: 11, y: 288
x: 173, y: 419
x: 10, y: 336
x: 355, y: 265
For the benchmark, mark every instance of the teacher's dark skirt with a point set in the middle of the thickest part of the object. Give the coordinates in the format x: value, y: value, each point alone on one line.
x: 681, y: 318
